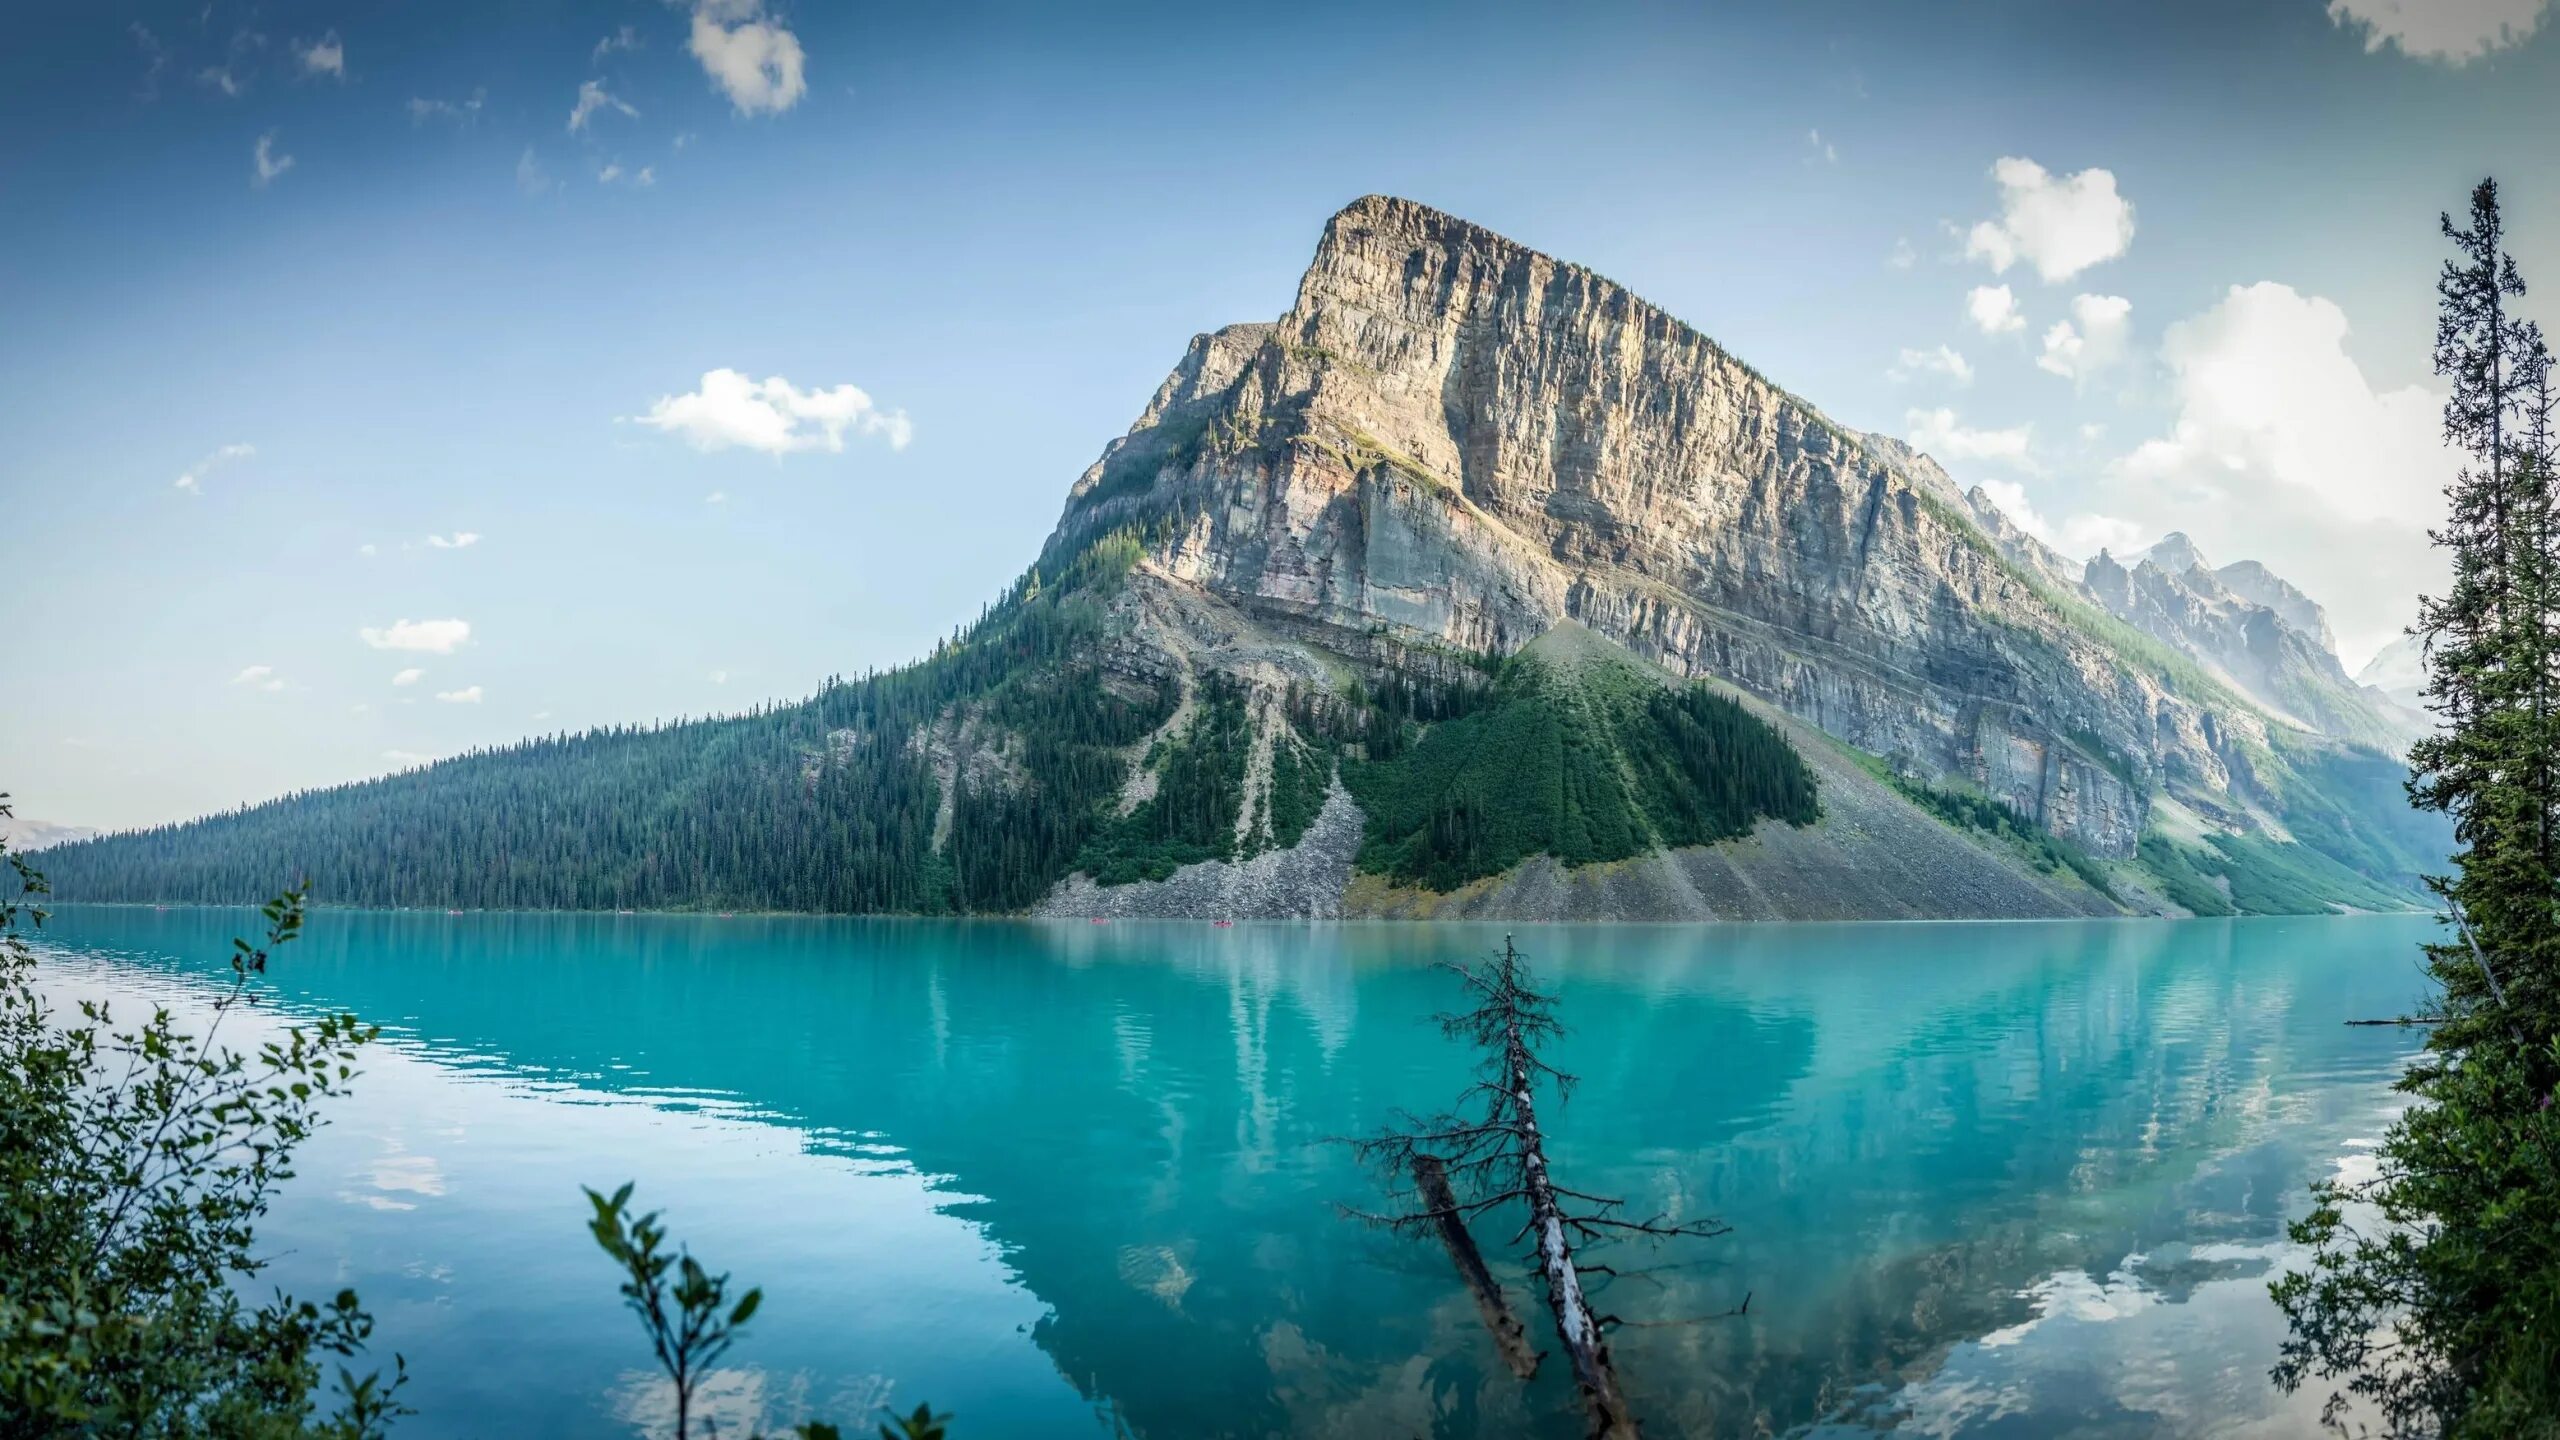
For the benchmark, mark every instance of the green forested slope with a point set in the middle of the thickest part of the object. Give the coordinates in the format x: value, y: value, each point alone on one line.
x: 1583, y: 761
x: 824, y: 805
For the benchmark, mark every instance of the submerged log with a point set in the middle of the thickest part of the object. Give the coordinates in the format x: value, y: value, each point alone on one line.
x: 1510, y: 1337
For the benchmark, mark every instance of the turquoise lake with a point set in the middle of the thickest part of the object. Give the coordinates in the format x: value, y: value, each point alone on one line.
x: 2018, y: 1179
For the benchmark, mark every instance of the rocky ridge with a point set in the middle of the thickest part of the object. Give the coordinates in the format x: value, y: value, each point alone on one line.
x: 1452, y: 439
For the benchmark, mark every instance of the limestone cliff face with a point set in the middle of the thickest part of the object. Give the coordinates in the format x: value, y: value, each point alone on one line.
x: 1456, y: 439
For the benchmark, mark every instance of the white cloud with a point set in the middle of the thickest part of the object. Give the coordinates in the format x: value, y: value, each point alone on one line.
x: 221, y: 78
x: 625, y: 38
x: 324, y: 56
x: 647, y: 177
x: 2284, y: 452
x: 368, y: 550
x: 2453, y: 31
x: 1829, y: 153
x: 2268, y: 393
x: 609, y: 174
x: 192, y: 480
x: 433, y: 637
x: 1937, y: 360
x: 458, y: 540
x: 410, y: 676
x: 2078, y: 536
x: 541, y: 714
x: 359, y: 708
x: 2091, y: 340
x: 773, y: 416
x: 270, y: 164
x: 467, y: 695
x: 2061, y: 226
x: 1902, y: 256
x: 1993, y: 310
x: 719, y: 677
x: 463, y: 113
x: 753, y: 59
x: 592, y: 97
x: 262, y: 677
x: 716, y: 497
x: 1945, y: 438
x: 531, y: 178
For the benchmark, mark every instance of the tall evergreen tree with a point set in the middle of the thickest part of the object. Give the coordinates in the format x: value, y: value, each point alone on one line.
x: 2433, y: 1296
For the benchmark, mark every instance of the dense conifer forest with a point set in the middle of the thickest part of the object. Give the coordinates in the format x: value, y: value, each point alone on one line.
x: 837, y: 803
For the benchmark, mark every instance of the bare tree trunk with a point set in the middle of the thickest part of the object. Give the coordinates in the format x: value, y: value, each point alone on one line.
x: 1510, y: 1337
x: 1594, y: 1374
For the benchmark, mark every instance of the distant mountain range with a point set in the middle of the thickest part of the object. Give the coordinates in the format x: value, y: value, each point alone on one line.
x: 1473, y: 585
x: 39, y: 834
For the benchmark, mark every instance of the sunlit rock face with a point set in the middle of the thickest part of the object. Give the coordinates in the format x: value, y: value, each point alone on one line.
x: 1452, y: 438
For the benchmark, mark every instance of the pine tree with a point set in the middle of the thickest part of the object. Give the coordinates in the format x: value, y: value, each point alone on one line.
x: 2445, y: 1317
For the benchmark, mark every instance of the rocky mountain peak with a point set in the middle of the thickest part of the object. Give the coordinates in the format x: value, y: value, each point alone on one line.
x: 2259, y: 585
x: 2176, y: 554
x: 1453, y: 439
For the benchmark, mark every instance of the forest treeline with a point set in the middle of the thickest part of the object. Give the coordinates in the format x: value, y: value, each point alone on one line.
x: 972, y: 781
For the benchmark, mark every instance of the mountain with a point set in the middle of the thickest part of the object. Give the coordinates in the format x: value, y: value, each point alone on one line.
x: 2250, y: 630
x: 40, y: 834
x: 2399, y: 671
x: 1475, y: 585
x: 2258, y: 585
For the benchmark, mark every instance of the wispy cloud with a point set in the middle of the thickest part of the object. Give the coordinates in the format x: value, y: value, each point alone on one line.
x: 1937, y: 360
x: 410, y: 676
x: 192, y: 481
x: 154, y: 52
x: 324, y: 56
x: 592, y: 98
x: 463, y: 114
x: 2092, y: 340
x: 434, y: 637
x: 1944, y: 437
x: 622, y: 39
x: 270, y: 164
x: 531, y: 178
x: 261, y: 677
x: 467, y: 695
x: 458, y: 540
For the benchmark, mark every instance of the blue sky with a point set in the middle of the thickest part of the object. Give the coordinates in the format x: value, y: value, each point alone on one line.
x: 377, y: 276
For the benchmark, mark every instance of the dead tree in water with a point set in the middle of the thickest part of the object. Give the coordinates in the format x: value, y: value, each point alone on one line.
x: 1490, y: 1153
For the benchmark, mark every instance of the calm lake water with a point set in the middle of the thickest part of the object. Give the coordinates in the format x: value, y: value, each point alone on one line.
x: 2002, y: 1179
